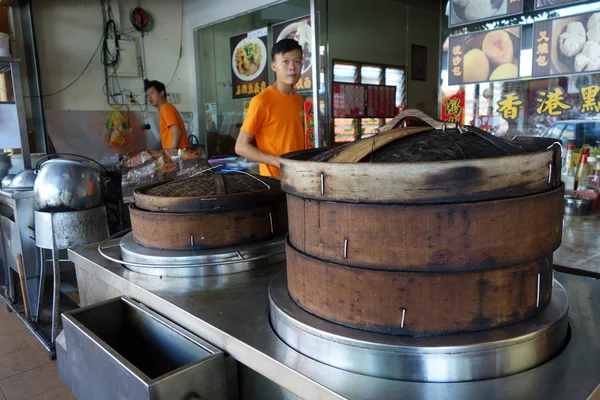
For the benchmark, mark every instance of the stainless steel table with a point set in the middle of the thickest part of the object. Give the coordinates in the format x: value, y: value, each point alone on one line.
x: 231, y: 312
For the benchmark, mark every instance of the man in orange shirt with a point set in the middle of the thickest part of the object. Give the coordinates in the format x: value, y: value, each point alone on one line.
x: 274, y: 118
x: 172, y: 128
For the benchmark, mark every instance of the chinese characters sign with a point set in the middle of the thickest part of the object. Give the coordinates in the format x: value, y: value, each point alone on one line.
x: 551, y: 102
x: 589, y: 97
x: 484, y: 56
x: 353, y: 100
x: 309, y: 124
x: 566, y: 45
x: 453, y: 106
x: 464, y: 12
x: 249, y: 57
x: 509, y: 105
x: 298, y: 29
x: 349, y: 100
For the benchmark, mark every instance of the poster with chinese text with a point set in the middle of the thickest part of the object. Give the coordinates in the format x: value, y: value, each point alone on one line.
x: 309, y: 124
x: 381, y: 101
x: 453, y: 106
x: 298, y: 29
x: 464, y: 12
x: 566, y: 45
x: 349, y: 100
x: 249, y: 57
x: 210, y: 114
x: 484, y: 56
x: 542, y: 4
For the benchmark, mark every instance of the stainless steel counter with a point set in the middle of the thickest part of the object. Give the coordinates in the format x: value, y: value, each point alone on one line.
x: 231, y: 312
x: 580, y: 246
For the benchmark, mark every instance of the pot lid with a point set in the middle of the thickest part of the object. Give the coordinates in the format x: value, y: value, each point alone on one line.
x: 435, y: 141
x: 208, y: 191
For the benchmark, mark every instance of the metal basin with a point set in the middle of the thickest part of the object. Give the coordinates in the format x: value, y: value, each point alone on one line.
x: 137, y: 354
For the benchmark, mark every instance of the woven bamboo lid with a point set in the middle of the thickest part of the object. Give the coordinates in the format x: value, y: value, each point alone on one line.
x: 207, y: 192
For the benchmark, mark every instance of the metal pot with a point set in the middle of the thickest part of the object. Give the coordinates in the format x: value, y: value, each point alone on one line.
x: 24, y: 180
x: 69, y: 185
x: 7, y: 180
x: 575, y: 205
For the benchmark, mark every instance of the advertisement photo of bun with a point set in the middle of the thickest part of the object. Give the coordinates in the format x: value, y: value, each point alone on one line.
x: 485, y: 56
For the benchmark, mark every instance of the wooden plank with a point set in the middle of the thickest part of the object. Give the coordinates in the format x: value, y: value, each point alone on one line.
x: 434, y: 182
x: 435, y: 237
x: 414, y: 113
x: 362, y: 148
x: 418, y: 304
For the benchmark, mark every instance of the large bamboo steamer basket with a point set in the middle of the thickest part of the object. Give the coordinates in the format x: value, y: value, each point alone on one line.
x: 430, y: 239
x: 205, y: 230
x: 416, y: 303
x: 208, y: 211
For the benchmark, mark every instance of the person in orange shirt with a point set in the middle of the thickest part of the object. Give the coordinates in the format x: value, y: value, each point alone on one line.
x: 172, y: 129
x: 274, y: 118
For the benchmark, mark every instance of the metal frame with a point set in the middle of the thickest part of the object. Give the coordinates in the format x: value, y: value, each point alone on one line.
x: 315, y: 59
x: 33, y: 74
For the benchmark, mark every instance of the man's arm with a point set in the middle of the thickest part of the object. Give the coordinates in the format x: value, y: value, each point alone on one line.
x: 245, y: 148
x: 176, y: 138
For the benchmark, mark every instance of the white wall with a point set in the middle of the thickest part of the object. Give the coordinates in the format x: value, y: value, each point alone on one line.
x: 68, y: 33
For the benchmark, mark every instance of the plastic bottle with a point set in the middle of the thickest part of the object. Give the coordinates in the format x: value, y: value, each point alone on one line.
x: 593, y: 181
x: 583, y: 169
x: 568, y: 169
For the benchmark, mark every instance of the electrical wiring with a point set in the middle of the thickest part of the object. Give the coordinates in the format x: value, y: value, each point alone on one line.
x: 180, y: 47
x: 141, y: 20
x: 76, y: 79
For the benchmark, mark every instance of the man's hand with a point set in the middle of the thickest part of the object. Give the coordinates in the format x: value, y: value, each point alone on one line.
x: 245, y: 148
x: 176, y: 138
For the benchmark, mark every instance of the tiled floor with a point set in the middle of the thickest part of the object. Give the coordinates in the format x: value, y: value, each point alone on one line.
x: 26, y: 371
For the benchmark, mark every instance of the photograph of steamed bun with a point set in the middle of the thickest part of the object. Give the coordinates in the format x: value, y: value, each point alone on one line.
x: 490, y: 56
x: 465, y: 11
x: 578, y: 42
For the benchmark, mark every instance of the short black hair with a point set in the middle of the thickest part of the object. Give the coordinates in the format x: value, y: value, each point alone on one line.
x: 285, y: 46
x: 159, y: 86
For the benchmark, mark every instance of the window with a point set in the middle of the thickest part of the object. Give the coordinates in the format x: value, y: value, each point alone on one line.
x: 348, y: 129
x: 591, y: 133
x: 568, y: 133
x: 555, y: 131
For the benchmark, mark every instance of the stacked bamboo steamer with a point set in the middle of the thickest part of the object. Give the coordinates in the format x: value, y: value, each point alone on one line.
x: 209, y: 210
x: 462, y: 242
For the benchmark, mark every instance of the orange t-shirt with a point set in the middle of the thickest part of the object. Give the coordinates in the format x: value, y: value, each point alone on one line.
x: 170, y: 116
x: 275, y: 120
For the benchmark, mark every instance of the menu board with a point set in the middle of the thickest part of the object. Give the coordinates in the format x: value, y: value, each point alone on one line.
x: 249, y: 57
x: 349, y: 100
x: 381, y: 101
x: 566, y: 45
x: 298, y: 29
x: 353, y: 100
x: 541, y: 4
x: 464, y: 12
x: 484, y: 56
